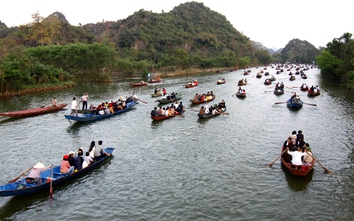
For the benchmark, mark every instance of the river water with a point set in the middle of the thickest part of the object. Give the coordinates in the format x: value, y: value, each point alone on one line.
x: 185, y: 168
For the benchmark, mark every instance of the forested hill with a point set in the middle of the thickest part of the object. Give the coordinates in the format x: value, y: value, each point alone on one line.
x: 189, y: 26
x: 298, y: 51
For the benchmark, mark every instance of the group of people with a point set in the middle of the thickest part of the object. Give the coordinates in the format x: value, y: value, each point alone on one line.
x: 279, y: 86
x: 314, y: 89
x: 204, y: 97
x: 160, y: 91
x: 174, y: 109
x: 296, y: 150
x: 71, y: 162
x: 193, y: 83
x: 295, y: 98
x: 216, y: 109
x: 241, y: 91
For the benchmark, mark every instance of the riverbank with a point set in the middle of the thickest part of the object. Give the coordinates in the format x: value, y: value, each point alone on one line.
x: 31, y: 90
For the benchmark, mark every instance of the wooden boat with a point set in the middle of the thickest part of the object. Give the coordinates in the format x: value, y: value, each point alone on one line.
x: 33, y: 112
x: 21, y: 187
x: 292, y: 78
x: 158, y: 94
x: 153, y: 81
x: 163, y: 117
x: 303, y: 76
x: 192, y: 84
x: 259, y: 75
x: 201, y: 102
x: 267, y: 81
x: 273, y: 78
x: 295, y: 170
x: 92, y: 117
x: 241, y: 95
x: 278, y: 91
x: 242, y: 82
x: 210, y: 115
x: 294, y: 105
x: 166, y: 101
x: 304, y: 87
x: 139, y: 84
x: 221, y: 81
x: 313, y: 93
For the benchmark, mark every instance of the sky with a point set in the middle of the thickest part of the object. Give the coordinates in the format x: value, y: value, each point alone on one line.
x: 273, y: 23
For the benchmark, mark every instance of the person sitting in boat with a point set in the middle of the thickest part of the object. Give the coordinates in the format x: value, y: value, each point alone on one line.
x: 196, y: 97
x: 243, y: 91
x: 154, y: 112
x: 179, y: 107
x: 156, y: 91
x: 239, y: 90
x: 107, y: 111
x: 296, y: 156
x: 159, y: 111
x: 312, y: 88
x: 34, y: 175
x: 54, y: 102
x: 87, y: 160
x: 222, y: 104
x: 173, y: 95
x: 78, y: 160
x: 134, y: 97
x: 201, y: 110
x: 195, y: 82
x: 65, y: 166
x: 206, y: 109
x: 164, y: 91
x: 71, y: 158
x: 316, y: 89
x: 163, y: 112
x: 99, y: 151
x: 308, y: 158
x: 129, y: 99
x: 295, y: 98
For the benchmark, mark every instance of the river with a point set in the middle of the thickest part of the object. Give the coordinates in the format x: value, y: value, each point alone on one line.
x: 185, y: 168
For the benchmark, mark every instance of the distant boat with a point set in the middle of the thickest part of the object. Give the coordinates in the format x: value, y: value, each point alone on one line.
x: 33, y: 112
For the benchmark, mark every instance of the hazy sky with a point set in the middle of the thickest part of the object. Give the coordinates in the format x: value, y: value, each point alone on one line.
x: 271, y: 22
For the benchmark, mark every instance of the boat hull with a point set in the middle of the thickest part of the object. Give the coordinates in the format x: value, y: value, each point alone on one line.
x: 201, y: 102
x: 91, y: 117
x: 207, y: 116
x: 21, y: 187
x: 33, y: 112
x: 294, y: 170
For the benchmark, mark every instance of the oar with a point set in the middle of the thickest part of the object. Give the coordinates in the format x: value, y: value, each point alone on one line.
x: 51, y: 184
x: 310, y: 104
x: 267, y: 91
x: 283, y: 102
x: 143, y: 101
x: 327, y: 170
x: 271, y: 164
x: 23, y: 173
x: 225, y: 113
x: 181, y: 116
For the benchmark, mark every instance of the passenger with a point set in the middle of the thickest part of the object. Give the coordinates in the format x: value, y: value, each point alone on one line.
x: 79, y: 159
x: 206, y: 109
x: 296, y: 156
x: 308, y: 158
x: 202, y: 111
x: 107, y: 111
x: 300, y: 135
x: 222, y: 105
x: 54, y: 102
x: 154, y: 112
x: 71, y: 158
x: 92, y: 148
x: 164, y: 91
x: 65, y: 166
x: 196, y: 97
x: 34, y: 175
x: 288, y: 144
x: 159, y: 111
x: 135, y: 97
x: 163, y: 112
x: 180, y: 107
x: 293, y: 137
x: 87, y: 160
x: 99, y: 151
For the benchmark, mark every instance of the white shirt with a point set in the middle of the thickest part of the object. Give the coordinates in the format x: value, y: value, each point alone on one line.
x: 296, y: 157
x: 74, y: 105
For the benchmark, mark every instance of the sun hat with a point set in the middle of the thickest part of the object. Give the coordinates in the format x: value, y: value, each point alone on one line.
x: 71, y: 152
x: 39, y: 165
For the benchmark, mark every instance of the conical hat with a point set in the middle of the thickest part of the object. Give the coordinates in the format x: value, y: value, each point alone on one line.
x: 39, y: 165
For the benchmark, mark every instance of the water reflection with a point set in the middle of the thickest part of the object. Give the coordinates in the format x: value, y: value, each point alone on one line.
x: 297, y: 183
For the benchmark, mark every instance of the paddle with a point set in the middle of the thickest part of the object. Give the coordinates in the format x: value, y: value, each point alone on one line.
x: 310, y: 104
x: 283, y: 102
x: 143, y: 101
x: 225, y: 113
x: 267, y: 91
x: 23, y: 173
x: 327, y: 170
x: 51, y: 184
x: 181, y: 116
x: 271, y: 164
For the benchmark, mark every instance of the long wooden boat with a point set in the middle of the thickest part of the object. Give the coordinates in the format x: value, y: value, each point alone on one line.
x: 201, y: 102
x: 292, y: 78
x: 21, y: 187
x: 158, y: 94
x: 167, y: 101
x: 241, y: 95
x: 312, y: 93
x: 33, y: 112
x: 267, y: 81
x: 163, y: 117
x: 92, y: 117
x: 293, y: 169
x: 139, y: 84
x: 294, y: 105
x: 210, y: 115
